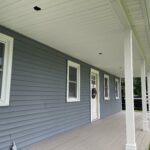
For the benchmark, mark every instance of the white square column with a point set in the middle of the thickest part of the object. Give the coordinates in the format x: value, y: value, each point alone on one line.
x: 130, y: 120
x: 144, y: 103
x: 148, y: 85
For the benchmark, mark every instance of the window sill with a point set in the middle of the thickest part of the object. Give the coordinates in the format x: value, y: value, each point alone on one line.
x: 3, y: 103
x: 73, y: 100
x: 106, y: 98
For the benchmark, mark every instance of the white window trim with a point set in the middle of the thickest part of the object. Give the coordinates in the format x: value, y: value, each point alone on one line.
x: 7, y: 67
x: 117, y: 81
x: 106, y: 76
x: 76, y: 65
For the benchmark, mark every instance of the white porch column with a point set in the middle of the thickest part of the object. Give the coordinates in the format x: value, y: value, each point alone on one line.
x: 144, y: 103
x: 148, y: 85
x: 130, y: 120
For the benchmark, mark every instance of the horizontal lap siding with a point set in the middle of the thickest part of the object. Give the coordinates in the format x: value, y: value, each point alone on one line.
x: 38, y: 107
x: 113, y: 105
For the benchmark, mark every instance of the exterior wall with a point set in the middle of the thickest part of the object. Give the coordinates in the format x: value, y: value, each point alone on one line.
x: 38, y: 107
x: 113, y: 105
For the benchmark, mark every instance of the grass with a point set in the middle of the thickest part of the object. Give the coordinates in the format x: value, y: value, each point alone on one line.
x: 138, y: 110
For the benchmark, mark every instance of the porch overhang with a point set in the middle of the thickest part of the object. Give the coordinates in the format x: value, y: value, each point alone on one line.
x: 92, y: 31
x: 112, y: 35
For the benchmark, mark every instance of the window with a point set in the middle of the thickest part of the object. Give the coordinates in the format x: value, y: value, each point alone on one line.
x: 117, y: 88
x: 6, y: 51
x: 73, y: 82
x: 106, y: 87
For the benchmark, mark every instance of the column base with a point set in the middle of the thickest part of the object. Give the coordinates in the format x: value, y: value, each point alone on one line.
x: 146, y: 125
x: 131, y: 147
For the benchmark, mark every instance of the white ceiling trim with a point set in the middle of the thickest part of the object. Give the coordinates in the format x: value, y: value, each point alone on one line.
x: 146, y: 18
x: 79, y: 28
x: 123, y: 16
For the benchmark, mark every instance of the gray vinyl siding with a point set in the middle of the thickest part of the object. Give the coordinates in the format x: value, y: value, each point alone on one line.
x: 113, y: 105
x: 38, y: 107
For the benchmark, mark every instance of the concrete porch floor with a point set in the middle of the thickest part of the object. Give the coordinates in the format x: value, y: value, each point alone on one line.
x: 104, y: 134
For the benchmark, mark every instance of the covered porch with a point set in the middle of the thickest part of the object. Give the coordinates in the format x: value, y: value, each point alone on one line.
x: 111, y: 35
x: 104, y: 134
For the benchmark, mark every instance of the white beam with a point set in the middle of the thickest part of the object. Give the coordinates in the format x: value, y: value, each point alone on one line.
x: 144, y: 103
x: 148, y: 85
x: 122, y: 13
x: 130, y: 120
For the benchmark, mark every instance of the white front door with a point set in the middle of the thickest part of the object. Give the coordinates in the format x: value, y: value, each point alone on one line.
x: 94, y: 96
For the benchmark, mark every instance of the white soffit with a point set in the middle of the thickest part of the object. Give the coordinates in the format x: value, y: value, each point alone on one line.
x: 138, y: 12
x: 80, y: 28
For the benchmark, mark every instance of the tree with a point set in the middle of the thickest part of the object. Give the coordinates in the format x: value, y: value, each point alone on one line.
x: 137, y: 87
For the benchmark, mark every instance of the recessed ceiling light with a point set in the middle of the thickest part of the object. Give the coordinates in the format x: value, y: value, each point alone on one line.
x: 100, y: 53
x: 37, y: 8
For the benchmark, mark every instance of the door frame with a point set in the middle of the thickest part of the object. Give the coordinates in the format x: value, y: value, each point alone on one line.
x: 98, y: 92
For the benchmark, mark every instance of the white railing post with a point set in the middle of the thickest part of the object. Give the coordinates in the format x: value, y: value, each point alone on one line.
x: 144, y: 103
x: 130, y: 119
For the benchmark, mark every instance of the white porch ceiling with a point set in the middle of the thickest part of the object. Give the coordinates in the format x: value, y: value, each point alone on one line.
x: 80, y: 28
x: 138, y: 12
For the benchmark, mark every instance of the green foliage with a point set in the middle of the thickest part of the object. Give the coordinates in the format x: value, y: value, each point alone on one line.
x: 137, y: 87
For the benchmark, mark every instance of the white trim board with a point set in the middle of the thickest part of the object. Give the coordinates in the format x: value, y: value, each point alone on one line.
x: 118, y: 91
x: 77, y: 66
x: 7, y: 68
x: 98, y: 88
x: 107, y: 77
